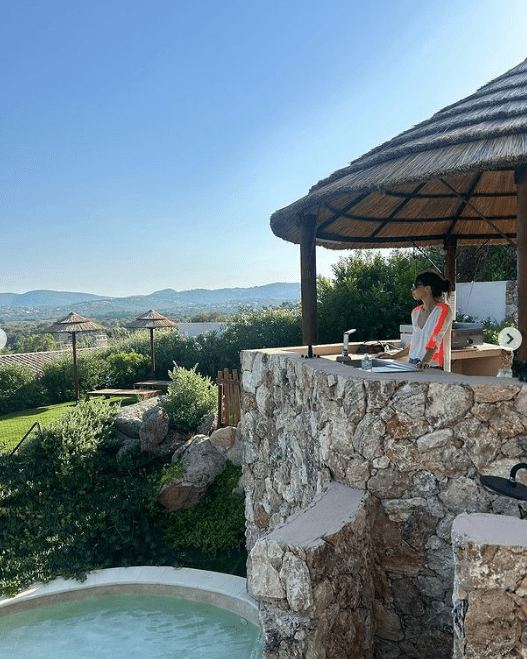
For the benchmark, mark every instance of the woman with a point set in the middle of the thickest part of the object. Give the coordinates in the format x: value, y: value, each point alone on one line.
x: 431, y: 321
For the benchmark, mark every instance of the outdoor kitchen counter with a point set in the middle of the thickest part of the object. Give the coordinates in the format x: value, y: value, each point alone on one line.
x: 479, y: 363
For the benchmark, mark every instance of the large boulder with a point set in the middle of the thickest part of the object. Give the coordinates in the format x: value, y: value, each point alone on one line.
x: 201, y: 463
x: 130, y: 418
x: 227, y: 441
x: 154, y: 428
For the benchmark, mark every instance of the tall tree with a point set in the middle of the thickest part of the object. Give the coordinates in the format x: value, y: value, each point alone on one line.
x: 369, y: 292
x: 475, y: 263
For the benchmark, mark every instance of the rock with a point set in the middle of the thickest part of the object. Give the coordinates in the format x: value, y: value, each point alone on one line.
x: 387, y: 623
x: 207, y: 425
x: 201, y: 463
x: 130, y: 418
x: 129, y: 445
x: 223, y: 438
x: 295, y: 577
x: 154, y: 428
x: 227, y: 442
x: 180, y: 495
x: 492, y: 625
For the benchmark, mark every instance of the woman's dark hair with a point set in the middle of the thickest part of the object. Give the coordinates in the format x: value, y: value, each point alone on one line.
x: 438, y: 284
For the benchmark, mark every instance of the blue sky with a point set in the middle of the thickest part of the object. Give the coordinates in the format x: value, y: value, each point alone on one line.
x: 144, y: 145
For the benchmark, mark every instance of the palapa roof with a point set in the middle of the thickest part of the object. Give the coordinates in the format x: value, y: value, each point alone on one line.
x: 152, y: 319
x: 451, y: 177
x: 74, y: 322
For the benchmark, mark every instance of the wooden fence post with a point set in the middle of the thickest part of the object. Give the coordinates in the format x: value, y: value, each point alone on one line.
x: 229, y: 410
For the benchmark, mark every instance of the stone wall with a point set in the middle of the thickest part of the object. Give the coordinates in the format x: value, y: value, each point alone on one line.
x: 511, y: 301
x: 490, y: 592
x: 314, y: 577
x: 415, y: 443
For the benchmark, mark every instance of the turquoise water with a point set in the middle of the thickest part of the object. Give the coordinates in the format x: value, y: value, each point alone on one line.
x: 126, y: 627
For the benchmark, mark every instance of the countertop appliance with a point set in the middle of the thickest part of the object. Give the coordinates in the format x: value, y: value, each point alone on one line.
x: 464, y: 335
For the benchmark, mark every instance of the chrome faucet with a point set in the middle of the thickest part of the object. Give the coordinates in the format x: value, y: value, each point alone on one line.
x: 345, y: 358
x: 346, y: 342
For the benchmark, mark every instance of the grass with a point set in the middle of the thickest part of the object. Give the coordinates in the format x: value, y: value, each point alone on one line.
x: 14, y: 426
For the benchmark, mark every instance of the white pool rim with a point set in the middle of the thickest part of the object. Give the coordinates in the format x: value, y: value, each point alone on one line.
x: 225, y: 591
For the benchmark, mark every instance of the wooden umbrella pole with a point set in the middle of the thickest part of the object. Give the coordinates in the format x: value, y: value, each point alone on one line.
x: 76, y: 376
x: 521, y: 255
x: 153, y: 353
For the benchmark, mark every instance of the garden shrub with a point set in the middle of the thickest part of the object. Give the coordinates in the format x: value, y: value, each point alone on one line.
x: 190, y: 398
x: 214, y: 524
x: 125, y: 368
x: 58, y: 379
x: 19, y: 389
x: 254, y: 329
x: 67, y: 506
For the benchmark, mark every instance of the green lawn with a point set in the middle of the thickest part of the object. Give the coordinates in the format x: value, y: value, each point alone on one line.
x: 14, y: 426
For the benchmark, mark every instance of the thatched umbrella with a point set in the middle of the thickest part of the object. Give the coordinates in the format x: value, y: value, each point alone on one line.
x: 152, y: 320
x: 74, y: 323
x: 459, y: 178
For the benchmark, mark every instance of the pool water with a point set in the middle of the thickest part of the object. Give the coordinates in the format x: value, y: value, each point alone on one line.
x: 128, y: 626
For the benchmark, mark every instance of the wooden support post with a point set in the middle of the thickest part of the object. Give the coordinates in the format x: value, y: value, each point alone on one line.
x: 520, y: 178
x: 450, y: 245
x: 308, y: 280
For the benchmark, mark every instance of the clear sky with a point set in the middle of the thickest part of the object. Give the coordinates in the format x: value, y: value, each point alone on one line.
x: 145, y: 144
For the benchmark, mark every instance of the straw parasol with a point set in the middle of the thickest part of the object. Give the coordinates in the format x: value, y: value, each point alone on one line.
x: 152, y: 320
x: 459, y: 178
x: 74, y: 323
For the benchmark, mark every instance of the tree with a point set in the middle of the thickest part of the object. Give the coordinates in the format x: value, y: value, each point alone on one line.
x: 37, y: 343
x: 475, y: 263
x: 370, y: 293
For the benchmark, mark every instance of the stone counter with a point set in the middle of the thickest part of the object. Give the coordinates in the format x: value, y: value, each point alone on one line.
x: 414, y: 442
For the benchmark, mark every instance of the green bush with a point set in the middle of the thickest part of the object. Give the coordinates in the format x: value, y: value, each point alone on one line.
x: 19, y: 389
x: 254, y: 329
x: 370, y: 293
x: 58, y: 380
x: 214, y: 524
x: 125, y: 368
x: 190, y: 398
x: 492, y: 330
x: 67, y: 506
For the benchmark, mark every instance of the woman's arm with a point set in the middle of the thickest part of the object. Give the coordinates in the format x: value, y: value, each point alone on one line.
x: 393, y: 355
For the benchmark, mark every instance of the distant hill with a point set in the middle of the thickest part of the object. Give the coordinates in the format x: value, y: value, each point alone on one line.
x: 44, y: 298
x: 35, y: 305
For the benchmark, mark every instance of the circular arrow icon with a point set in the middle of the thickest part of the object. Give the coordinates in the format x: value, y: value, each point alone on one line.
x: 510, y: 338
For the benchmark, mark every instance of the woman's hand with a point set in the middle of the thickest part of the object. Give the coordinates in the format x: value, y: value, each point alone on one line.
x: 392, y: 355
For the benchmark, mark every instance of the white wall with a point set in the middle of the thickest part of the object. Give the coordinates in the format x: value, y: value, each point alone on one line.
x: 482, y: 300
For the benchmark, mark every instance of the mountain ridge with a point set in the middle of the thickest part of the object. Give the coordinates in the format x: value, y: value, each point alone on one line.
x: 49, y: 297
x: 48, y: 303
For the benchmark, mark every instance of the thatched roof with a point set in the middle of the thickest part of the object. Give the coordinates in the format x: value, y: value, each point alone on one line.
x: 74, y: 322
x: 152, y: 319
x: 449, y: 176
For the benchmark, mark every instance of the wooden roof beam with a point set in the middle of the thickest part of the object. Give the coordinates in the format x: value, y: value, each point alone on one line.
x: 478, y: 213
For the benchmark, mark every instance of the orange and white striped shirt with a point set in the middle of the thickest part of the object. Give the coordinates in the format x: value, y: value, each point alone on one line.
x: 431, y: 334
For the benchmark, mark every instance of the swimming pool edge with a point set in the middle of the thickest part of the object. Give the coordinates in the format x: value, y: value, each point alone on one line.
x: 225, y: 591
